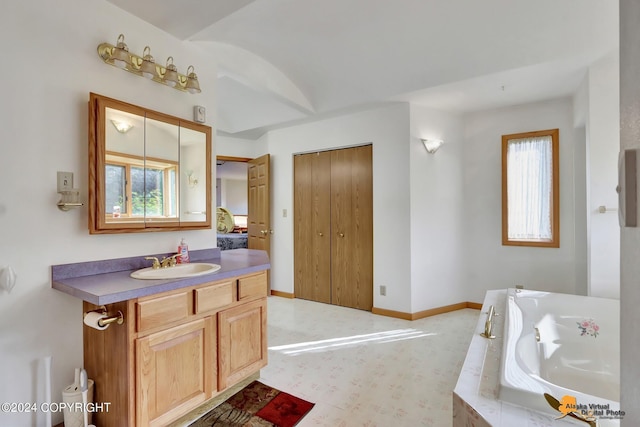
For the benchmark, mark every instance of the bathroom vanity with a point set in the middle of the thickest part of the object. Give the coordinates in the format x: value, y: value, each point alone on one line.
x: 183, y: 341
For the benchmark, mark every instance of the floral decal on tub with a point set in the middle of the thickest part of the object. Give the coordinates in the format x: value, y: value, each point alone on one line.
x: 588, y: 327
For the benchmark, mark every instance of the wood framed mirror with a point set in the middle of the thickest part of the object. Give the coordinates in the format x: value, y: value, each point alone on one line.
x: 148, y: 171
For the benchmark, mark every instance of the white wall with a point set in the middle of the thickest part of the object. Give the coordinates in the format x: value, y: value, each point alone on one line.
x: 234, y: 196
x: 52, y: 68
x: 237, y: 147
x: 436, y: 211
x: 488, y: 264
x: 603, y: 127
x: 630, y: 237
x: 387, y: 129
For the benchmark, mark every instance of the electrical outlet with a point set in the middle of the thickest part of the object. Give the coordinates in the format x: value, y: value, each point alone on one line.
x: 65, y: 181
x: 383, y: 290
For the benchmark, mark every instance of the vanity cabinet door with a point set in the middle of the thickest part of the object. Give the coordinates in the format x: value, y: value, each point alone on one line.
x: 242, y: 341
x: 175, y: 371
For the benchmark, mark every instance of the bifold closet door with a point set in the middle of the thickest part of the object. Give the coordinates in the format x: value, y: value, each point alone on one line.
x: 352, y: 227
x: 312, y: 226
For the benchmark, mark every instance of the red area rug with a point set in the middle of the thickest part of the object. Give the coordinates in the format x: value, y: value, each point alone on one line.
x: 257, y: 405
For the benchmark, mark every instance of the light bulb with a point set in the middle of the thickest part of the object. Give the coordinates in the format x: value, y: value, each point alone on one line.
x: 120, y: 63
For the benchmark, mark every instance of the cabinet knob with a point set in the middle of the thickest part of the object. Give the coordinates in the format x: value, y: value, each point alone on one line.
x: 263, y: 232
x: 341, y: 234
x: 320, y: 234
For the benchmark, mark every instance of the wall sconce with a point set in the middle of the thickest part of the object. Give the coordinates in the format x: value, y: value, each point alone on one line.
x: 193, y: 181
x: 432, y: 145
x: 145, y: 66
x: 122, y: 127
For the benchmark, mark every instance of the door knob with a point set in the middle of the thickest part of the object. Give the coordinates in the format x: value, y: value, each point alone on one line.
x: 270, y: 231
x: 263, y: 232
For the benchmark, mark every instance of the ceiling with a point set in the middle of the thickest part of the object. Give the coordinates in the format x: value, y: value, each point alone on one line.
x: 344, y: 55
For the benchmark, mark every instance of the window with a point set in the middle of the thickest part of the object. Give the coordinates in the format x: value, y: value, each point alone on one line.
x: 135, y: 186
x: 530, y: 189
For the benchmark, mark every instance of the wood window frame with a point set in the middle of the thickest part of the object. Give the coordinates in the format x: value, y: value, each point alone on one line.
x: 554, y: 242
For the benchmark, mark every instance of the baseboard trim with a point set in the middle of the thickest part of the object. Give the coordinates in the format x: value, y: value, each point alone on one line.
x: 391, y: 313
x: 474, y: 305
x: 426, y: 313
x: 282, y: 294
x: 401, y: 314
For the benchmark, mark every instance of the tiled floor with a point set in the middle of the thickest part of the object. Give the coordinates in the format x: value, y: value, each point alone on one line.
x: 366, y: 370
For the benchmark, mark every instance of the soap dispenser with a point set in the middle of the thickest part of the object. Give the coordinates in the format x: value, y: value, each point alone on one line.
x: 183, y: 249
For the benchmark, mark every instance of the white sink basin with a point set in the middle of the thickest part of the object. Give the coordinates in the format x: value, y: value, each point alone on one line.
x: 177, y: 272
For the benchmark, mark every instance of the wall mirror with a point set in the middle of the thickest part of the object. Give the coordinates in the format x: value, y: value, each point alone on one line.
x: 148, y: 171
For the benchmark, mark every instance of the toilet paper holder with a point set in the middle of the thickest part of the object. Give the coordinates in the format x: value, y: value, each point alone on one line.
x: 118, y: 318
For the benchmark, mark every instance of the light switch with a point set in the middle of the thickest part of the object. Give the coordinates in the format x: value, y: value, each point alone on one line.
x: 65, y: 181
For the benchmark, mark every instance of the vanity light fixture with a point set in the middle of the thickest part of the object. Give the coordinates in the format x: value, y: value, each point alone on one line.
x: 145, y: 66
x: 192, y: 85
x: 120, y: 54
x: 170, y: 76
x: 148, y: 65
x: 432, y: 145
x: 122, y: 127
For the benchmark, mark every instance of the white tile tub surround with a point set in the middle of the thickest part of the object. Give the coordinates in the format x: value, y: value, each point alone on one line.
x: 475, y: 396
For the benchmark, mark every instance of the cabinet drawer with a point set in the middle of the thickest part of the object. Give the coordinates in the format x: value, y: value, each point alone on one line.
x: 162, y: 311
x: 214, y: 296
x: 252, y: 287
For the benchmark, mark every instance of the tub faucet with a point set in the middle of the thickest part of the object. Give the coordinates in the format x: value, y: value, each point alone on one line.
x: 488, y: 325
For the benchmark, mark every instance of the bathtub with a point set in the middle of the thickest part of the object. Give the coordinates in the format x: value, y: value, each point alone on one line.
x: 563, y: 345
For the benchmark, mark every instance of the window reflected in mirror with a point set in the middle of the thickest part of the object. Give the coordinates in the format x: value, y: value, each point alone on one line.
x: 137, y: 188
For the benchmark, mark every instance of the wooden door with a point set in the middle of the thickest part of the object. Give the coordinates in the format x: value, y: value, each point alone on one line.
x: 258, y: 221
x: 352, y: 227
x: 312, y: 226
x: 242, y: 341
x: 175, y: 370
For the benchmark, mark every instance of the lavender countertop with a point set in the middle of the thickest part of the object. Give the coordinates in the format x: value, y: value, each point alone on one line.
x: 109, y: 281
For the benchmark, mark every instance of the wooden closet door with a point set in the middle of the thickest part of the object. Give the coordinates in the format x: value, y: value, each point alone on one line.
x: 312, y: 226
x: 352, y: 227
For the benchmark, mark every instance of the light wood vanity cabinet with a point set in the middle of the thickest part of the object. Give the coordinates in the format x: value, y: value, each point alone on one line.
x: 173, y: 371
x: 242, y: 340
x: 177, y: 349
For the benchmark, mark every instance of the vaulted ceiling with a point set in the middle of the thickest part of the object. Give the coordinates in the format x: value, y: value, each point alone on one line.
x: 302, y: 59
